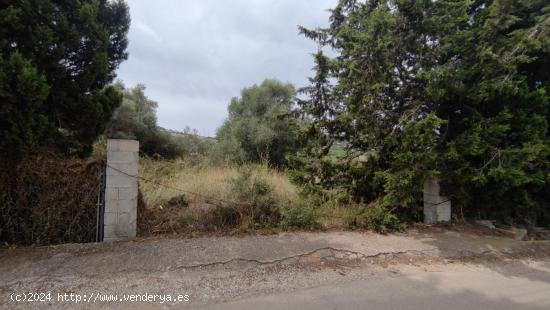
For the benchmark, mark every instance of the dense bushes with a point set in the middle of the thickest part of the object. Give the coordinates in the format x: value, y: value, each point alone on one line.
x: 375, y: 217
x: 48, y: 200
x: 301, y: 216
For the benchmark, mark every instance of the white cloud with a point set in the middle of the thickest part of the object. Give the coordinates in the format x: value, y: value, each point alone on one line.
x: 145, y: 29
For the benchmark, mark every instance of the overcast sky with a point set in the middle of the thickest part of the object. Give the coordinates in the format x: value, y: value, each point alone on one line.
x: 194, y: 55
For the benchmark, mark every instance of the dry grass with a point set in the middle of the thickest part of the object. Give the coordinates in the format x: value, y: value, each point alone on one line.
x: 204, y: 180
x: 197, y: 206
x: 47, y: 199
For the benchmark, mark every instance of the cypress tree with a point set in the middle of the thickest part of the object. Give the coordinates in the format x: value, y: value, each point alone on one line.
x: 57, y: 59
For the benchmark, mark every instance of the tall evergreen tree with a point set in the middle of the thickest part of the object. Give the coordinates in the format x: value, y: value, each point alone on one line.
x: 450, y: 89
x: 57, y: 59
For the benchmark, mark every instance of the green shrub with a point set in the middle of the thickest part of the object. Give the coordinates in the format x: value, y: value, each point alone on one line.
x: 300, y: 216
x: 378, y: 218
x: 374, y: 217
x: 343, y: 197
x: 255, y: 201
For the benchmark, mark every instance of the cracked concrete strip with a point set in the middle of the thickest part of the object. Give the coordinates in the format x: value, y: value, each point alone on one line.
x: 157, y: 254
x: 301, y: 255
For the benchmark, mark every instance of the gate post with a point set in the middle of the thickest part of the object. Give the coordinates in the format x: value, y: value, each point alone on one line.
x: 121, y: 190
x: 437, y: 208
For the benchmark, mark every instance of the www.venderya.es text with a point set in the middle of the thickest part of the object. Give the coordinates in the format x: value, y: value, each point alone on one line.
x: 98, y: 297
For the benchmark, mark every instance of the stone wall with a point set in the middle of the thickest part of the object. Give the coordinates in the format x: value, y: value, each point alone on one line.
x: 121, y: 190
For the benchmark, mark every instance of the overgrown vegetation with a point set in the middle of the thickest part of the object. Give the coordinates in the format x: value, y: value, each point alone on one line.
x: 375, y: 217
x: 301, y: 216
x: 420, y: 89
x: 46, y: 199
x: 415, y: 90
x: 205, y: 197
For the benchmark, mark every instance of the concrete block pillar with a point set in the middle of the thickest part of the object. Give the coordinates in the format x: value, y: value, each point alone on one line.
x: 437, y: 208
x: 121, y: 190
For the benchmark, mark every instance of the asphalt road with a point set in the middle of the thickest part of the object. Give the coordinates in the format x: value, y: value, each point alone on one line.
x: 461, y: 288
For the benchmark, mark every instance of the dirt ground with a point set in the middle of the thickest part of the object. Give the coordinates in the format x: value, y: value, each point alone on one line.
x: 212, y: 270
